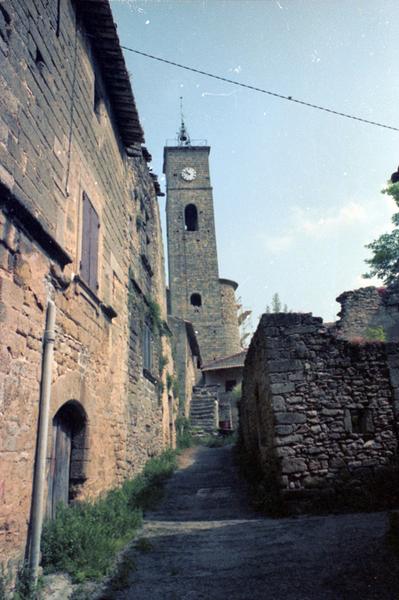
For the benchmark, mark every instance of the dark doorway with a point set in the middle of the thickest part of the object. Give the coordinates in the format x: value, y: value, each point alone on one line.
x: 66, y: 467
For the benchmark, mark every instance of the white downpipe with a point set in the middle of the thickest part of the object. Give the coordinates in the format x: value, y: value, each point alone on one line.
x: 41, y: 452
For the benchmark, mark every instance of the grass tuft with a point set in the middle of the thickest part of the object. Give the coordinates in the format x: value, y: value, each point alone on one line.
x: 84, y: 538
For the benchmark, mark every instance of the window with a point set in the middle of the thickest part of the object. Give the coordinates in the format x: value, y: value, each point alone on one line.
x: 361, y: 421
x: 191, y: 218
x: 147, y: 347
x: 97, y: 100
x: 196, y: 300
x: 89, y: 258
x: 230, y: 385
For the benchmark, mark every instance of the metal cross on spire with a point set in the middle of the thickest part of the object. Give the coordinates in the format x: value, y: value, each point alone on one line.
x: 183, y: 137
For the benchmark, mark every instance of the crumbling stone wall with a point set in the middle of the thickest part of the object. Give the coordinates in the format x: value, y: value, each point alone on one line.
x: 315, y: 408
x: 56, y: 142
x: 369, y: 311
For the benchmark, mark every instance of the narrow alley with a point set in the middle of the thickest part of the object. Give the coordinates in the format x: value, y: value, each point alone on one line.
x: 204, y: 543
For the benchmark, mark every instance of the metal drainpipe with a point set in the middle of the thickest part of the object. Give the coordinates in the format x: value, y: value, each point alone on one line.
x: 41, y: 452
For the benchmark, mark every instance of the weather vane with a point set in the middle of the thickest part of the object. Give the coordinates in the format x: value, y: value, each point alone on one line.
x: 183, y: 137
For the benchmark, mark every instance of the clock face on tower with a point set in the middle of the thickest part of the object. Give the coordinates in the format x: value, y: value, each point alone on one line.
x: 188, y: 174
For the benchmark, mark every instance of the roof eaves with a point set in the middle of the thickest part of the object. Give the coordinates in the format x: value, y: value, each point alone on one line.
x: 99, y: 23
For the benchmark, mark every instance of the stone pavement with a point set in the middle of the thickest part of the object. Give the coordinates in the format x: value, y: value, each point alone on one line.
x: 204, y: 543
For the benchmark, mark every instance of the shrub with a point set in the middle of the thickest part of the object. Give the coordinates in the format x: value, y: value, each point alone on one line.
x: 376, y: 334
x: 84, y: 538
x: 184, y: 437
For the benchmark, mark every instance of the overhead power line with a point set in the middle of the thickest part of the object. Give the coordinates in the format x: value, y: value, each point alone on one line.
x: 262, y: 91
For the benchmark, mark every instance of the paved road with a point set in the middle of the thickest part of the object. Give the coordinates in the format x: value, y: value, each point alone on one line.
x: 204, y: 543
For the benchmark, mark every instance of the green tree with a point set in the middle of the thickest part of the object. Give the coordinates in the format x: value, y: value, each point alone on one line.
x: 276, y: 303
x: 384, y: 262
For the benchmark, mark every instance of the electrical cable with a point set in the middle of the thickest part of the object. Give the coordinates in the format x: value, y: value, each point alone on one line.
x: 263, y: 91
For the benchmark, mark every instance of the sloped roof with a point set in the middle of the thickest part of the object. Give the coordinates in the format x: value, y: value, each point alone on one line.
x: 227, y: 362
x: 98, y: 20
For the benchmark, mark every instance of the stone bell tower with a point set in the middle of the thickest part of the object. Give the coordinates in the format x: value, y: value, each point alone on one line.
x: 195, y: 289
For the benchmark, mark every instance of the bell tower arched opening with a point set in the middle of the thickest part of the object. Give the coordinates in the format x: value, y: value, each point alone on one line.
x: 191, y: 218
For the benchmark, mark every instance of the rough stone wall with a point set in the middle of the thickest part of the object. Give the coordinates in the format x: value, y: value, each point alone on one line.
x: 185, y: 364
x: 54, y: 147
x: 315, y: 408
x: 229, y: 316
x: 365, y: 310
x: 192, y: 255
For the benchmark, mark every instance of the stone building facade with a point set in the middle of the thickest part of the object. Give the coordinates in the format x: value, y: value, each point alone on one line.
x: 316, y: 409
x: 227, y: 374
x: 79, y: 225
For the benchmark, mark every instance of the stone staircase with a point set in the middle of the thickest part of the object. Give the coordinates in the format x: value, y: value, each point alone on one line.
x: 204, y: 409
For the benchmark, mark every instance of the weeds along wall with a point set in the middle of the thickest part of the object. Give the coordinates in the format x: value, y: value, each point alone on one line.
x: 317, y: 410
x: 79, y: 223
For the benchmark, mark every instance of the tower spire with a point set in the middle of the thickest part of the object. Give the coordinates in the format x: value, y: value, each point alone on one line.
x: 182, y: 137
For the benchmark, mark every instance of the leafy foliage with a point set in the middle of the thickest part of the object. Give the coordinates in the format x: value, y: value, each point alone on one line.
x: 154, y: 315
x: 84, y: 537
x: 376, y: 334
x: 384, y: 262
x: 184, y: 437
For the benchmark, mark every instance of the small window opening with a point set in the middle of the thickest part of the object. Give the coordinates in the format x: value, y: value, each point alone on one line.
x: 362, y: 421
x: 196, y: 300
x: 97, y: 101
x: 230, y: 385
x: 191, y: 218
x: 39, y: 60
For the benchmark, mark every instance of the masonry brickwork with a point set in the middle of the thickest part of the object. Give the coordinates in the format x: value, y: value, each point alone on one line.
x: 315, y: 408
x: 368, y: 311
x: 196, y: 293
x: 186, y: 359
x: 63, y: 143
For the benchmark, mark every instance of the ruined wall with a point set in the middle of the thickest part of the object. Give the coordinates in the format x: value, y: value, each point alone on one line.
x: 315, y: 408
x: 369, y: 312
x: 57, y: 143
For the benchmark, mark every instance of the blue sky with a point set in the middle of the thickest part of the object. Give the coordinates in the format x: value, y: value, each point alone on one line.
x: 296, y: 191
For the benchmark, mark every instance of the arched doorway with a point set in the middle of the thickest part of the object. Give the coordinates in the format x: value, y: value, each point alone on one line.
x: 66, y: 472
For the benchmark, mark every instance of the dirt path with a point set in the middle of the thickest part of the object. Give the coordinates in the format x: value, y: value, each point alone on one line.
x: 204, y: 543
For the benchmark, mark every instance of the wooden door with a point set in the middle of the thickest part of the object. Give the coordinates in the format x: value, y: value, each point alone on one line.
x: 59, y: 487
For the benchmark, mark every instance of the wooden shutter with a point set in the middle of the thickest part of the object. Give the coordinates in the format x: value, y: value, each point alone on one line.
x: 89, y: 261
x: 85, y: 259
x: 94, y: 227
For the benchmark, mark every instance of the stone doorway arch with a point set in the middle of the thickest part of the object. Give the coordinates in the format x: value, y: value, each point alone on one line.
x: 66, y: 472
